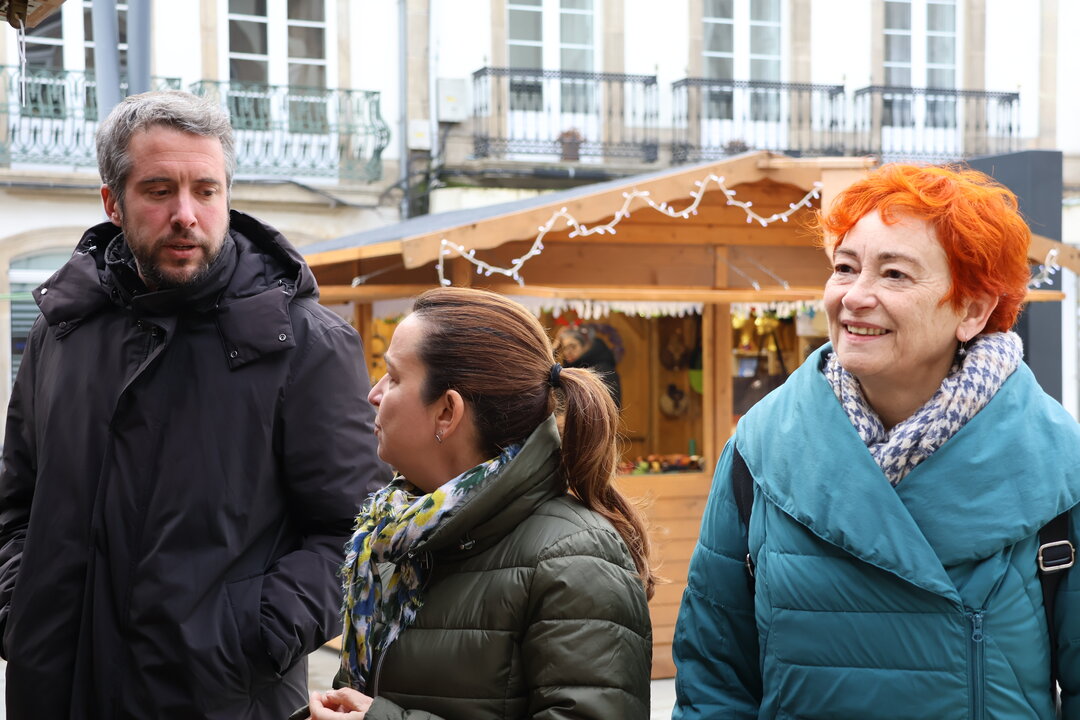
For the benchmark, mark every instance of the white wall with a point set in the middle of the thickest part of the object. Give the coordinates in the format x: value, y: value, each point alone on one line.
x: 1068, y: 96
x: 176, y: 42
x: 840, y: 43
x: 462, y: 36
x: 374, y: 56
x: 657, y: 44
x: 1012, y: 56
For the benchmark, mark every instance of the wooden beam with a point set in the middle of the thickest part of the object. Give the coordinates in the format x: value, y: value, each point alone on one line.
x: 1068, y: 256
x: 690, y: 233
x: 591, y: 208
x: 1044, y: 296
x: 363, y: 252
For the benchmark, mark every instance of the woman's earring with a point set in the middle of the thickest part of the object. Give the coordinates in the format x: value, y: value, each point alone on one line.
x: 438, y: 438
x: 963, y: 348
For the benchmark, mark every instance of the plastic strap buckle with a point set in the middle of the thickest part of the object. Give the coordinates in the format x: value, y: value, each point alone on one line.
x: 1056, y: 556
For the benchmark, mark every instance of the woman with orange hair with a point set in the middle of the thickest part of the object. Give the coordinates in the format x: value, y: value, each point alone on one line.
x: 887, y: 501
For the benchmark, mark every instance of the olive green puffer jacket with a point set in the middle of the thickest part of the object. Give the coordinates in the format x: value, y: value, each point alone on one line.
x: 534, y: 610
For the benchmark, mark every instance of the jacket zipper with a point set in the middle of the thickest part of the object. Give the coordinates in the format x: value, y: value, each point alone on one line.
x: 425, y: 562
x: 977, y: 665
x: 378, y: 671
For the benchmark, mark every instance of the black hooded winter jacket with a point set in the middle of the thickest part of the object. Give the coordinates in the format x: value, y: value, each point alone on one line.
x: 180, y: 472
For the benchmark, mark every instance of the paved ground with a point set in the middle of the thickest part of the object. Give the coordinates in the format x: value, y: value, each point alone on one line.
x: 323, y: 665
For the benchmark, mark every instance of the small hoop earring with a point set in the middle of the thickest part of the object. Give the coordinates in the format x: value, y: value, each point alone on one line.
x: 438, y: 438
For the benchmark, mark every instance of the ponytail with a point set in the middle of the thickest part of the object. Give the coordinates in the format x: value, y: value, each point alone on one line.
x: 590, y: 459
x: 469, y: 333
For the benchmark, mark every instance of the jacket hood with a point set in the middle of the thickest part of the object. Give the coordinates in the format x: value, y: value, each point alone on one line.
x: 1003, y: 476
x: 252, y: 312
x: 527, y: 481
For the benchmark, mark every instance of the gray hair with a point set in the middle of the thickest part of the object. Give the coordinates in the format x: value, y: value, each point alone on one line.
x: 170, y: 108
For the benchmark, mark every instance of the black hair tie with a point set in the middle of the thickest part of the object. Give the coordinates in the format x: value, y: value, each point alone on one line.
x: 553, y: 376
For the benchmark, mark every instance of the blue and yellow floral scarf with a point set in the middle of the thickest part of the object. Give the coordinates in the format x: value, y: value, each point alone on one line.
x: 391, y: 524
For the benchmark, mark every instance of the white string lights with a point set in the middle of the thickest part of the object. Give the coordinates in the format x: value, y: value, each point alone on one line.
x: 580, y: 230
x: 782, y: 310
x: 1046, y: 271
x: 22, y: 62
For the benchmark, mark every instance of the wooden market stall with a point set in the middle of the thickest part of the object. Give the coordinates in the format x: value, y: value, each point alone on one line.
x: 684, y: 243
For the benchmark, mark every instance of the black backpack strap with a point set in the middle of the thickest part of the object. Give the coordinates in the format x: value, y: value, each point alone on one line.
x: 742, y: 486
x: 1056, y: 554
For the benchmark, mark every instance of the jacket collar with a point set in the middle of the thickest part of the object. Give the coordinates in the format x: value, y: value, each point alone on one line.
x: 527, y: 481
x: 1011, y: 469
x: 252, y: 311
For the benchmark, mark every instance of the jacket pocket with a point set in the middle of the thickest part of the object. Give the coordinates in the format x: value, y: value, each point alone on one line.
x: 244, y: 599
x: 223, y: 637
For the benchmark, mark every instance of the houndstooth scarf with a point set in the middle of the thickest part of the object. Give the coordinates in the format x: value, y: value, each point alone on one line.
x: 392, y: 522
x: 971, y: 383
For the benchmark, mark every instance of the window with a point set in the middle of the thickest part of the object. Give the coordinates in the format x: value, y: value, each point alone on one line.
x: 525, y: 30
x: 44, y: 88
x: 25, y: 274
x: 45, y: 44
x: 920, y: 49
x: 743, y: 40
x: 765, y: 57
x: 88, y: 53
x: 897, y: 111
x: 576, y: 54
x: 941, y: 61
x: 569, y: 27
x: 278, y: 44
x: 56, y: 89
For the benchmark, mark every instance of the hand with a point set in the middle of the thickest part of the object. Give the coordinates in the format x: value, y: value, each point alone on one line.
x: 340, y: 704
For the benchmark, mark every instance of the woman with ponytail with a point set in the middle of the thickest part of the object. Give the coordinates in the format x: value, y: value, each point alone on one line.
x: 501, y: 574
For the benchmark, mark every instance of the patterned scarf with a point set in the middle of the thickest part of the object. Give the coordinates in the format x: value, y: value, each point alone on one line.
x: 391, y: 523
x: 971, y: 383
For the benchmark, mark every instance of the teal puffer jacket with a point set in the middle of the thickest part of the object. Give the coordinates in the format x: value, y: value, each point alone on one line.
x: 919, y: 601
x: 534, y: 610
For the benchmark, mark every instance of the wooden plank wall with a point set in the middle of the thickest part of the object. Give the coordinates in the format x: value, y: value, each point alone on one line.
x: 674, y: 504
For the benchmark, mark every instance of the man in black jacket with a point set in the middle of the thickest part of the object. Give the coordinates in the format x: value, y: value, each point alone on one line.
x: 187, y: 443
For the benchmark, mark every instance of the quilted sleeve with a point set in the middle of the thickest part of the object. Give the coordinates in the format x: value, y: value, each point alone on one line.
x: 18, y: 474
x: 587, y: 649
x: 716, y: 641
x: 383, y: 709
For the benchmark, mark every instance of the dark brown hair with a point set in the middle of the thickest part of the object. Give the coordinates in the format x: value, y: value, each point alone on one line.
x: 497, y: 355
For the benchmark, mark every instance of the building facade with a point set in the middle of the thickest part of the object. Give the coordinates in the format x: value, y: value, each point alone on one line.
x: 352, y: 114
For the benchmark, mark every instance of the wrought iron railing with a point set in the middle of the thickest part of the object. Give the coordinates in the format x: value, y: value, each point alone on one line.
x: 565, y: 115
x: 935, y: 125
x: 49, y: 117
x: 284, y: 130
x: 716, y: 118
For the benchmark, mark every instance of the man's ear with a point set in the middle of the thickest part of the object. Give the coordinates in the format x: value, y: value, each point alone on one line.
x: 975, y: 316
x: 112, y: 208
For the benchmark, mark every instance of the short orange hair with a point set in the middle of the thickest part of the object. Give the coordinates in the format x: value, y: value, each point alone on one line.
x: 976, y: 219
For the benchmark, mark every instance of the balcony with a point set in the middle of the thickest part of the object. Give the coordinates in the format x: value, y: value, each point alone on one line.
x: 933, y: 125
x: 565, y: 116
x: 289, y: 131
x: 49, y: 117
x: 716, y: 118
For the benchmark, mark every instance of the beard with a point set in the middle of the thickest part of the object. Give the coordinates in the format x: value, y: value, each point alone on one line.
x: 157, y: 274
